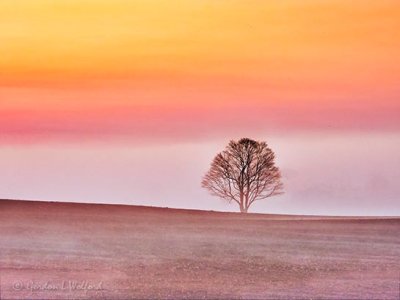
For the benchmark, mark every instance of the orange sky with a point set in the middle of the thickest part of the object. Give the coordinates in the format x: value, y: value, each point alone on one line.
x: 63, y: 63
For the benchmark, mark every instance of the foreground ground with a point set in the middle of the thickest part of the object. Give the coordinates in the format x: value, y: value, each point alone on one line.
x: 80, y: 251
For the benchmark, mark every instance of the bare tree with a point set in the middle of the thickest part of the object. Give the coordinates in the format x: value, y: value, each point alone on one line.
x: 244, y: 172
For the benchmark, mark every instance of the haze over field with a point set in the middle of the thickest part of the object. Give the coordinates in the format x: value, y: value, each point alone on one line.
x: 321, y: 176
x: 128, y: 101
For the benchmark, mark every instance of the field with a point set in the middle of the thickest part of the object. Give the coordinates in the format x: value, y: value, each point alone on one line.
x: 79, y: 251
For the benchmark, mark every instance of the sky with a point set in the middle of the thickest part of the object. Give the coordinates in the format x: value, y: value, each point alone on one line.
x: 128, y: 101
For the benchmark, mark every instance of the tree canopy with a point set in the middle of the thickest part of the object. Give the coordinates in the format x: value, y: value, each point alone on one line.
x: 244, y: 172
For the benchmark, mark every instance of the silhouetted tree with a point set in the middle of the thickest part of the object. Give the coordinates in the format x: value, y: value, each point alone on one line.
x: 244, y: 172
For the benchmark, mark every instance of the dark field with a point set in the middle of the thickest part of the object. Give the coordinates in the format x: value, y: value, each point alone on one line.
x: 80, y: 251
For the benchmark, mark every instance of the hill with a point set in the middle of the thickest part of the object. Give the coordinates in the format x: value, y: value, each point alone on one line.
x: 57, y: 250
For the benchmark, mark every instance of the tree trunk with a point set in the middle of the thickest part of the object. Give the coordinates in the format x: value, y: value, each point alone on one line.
x: 242, y: 204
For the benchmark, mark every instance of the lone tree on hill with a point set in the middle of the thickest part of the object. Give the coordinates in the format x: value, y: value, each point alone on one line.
x: 244, y: 172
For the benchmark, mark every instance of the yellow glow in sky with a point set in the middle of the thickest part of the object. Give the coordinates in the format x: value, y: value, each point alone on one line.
x: 261, y: 39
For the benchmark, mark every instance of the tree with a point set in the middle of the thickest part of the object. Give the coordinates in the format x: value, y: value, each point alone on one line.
x: 244, y: 172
